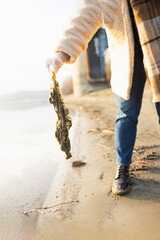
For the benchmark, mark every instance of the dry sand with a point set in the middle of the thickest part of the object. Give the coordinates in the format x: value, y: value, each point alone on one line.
x: 98, y: 214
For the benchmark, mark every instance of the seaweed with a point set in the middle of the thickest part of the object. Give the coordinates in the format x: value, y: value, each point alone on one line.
x: 64, y: 121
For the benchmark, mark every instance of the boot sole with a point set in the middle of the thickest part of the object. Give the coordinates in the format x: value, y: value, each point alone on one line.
x: 120, y: 192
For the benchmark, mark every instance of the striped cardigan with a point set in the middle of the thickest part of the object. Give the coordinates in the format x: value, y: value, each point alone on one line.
x: 147, y: 18
x: 116, y: 17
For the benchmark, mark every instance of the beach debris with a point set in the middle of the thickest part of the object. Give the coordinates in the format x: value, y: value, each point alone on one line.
x: 64, y: 122
x: 101, y: 176
x: 138, y: 151
x: 78, y: 164
x: 138, y: 167
x: 144, y: 162
x: 152, y: 156
x: 108, y: 132
x: 139, y: 148
x: 96, y: 130
x: 104, y: 146
x: 41, y: 209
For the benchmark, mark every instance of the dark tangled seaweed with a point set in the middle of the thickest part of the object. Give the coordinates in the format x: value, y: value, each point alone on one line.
x: 64, y: 121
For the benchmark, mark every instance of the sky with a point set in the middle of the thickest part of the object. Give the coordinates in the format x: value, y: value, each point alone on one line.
x: 30, y: 30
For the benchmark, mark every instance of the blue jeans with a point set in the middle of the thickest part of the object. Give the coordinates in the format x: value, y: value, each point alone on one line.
x: 128, y: 112
x: 126, y: 123
x: 126, y: 128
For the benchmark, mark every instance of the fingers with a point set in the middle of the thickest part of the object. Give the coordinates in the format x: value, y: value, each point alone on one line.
x: 55, y: 63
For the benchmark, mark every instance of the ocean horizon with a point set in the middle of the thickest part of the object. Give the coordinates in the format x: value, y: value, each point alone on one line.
x: 22, y: 100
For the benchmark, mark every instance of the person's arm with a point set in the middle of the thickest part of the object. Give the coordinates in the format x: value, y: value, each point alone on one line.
x: 82, y: 28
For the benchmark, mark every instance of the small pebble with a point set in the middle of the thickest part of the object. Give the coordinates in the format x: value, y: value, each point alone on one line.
x: 78, y: 164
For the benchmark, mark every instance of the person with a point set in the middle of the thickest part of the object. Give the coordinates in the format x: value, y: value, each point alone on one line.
x: 127, y: 66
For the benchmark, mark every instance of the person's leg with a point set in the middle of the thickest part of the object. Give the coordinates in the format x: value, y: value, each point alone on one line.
x: 158, y: 110
x: 126, y: 129
x: 126, y: 125
x: 127, y: 117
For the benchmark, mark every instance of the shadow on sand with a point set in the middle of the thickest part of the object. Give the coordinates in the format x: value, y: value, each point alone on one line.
x: 147, y: 189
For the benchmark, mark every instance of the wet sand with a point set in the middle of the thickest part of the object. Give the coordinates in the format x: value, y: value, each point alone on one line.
x: 98, y: 214
x: 30, y: 157
x: 81, y: 205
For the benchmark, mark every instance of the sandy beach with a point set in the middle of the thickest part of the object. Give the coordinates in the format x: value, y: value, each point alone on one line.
x: 82, y: 205
x: 30, y: 157
x: 77, y: 203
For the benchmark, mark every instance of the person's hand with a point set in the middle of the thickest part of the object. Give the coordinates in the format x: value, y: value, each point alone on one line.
x: 55, y: 63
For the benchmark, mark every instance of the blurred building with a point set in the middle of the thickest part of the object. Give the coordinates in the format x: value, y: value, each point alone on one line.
x: 95, y: 56
x: 90, y: 68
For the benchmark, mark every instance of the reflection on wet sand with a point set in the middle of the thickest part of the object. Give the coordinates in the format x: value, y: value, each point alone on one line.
x: 29, y: 160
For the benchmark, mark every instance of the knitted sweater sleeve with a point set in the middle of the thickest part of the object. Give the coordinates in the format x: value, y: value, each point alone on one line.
x: 81, y: 29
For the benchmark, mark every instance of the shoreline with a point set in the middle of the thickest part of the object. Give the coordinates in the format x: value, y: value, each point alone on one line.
x: 99, y: 214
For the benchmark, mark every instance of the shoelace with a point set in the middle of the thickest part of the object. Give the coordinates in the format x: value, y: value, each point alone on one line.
x: 122, y: 171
